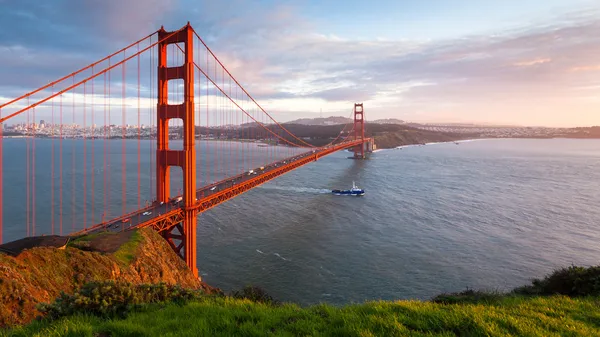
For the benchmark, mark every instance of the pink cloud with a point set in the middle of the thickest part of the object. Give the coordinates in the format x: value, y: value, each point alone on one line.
x: 532, y: 62
x: 586, y: 68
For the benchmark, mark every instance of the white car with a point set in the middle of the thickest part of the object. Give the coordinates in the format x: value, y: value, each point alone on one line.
x: 214, y: 188
x: 146, y: 213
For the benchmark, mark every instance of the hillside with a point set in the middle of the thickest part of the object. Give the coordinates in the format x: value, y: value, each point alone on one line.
x: 226, y: 316
x: 40, y: 274
x: 336, y: 120
x: 583, y: 132
x: 322, y: 121
x: 564, y: 303
x: 409, y: 136
x: 387, y: 121
x: 386, y: 135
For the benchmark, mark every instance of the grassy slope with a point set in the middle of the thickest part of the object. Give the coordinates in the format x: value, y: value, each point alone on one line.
x: 537, y: 316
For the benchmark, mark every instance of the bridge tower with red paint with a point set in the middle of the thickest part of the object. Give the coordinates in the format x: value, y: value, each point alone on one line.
x: 359, y: 130
x: 181, y: 237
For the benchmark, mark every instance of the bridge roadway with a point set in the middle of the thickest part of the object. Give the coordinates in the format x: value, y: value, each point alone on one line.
x: 214, y: 194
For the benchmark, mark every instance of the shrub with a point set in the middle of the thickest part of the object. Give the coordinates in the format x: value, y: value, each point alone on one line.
x: 468, y: 296
x: 254, y: 294
x: 573, y: 281
x: 109, y: 298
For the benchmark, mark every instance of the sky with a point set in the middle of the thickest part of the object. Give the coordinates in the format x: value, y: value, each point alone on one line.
x: 534, y: 62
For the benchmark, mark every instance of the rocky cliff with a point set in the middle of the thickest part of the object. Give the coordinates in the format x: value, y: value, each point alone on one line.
x: 40, y: 274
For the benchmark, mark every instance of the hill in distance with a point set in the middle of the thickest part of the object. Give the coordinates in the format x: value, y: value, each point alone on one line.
x: 336, y: 120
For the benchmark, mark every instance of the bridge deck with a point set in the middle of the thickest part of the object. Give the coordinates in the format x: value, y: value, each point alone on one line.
x: 167, y: 215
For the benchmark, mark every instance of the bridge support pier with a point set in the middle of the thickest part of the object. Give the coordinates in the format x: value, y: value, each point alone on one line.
x: 189, y: 227
x: 186, y: 158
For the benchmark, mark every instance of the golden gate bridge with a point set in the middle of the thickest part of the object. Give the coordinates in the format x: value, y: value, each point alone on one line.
x: 176, y: 82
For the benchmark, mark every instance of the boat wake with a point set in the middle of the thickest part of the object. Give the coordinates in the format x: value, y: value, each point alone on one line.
x: 274, y: 254
x: 296, y: 189
x: 281, y: 257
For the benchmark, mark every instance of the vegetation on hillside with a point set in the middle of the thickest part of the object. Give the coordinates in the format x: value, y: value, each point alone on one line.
x: 179, y: 312
x: 112, y: 298
x: 386, y: 135
x: 211, y: 316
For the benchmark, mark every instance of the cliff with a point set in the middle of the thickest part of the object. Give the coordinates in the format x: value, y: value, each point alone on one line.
x: 40, y: 274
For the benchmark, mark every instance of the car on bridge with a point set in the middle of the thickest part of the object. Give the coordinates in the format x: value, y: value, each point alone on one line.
x: 146, y: 213
x: 126, y: 220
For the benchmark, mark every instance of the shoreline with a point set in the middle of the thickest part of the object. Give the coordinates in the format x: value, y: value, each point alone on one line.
x: 245, y: 141
x: 475, y: 140
x: 437, y: 143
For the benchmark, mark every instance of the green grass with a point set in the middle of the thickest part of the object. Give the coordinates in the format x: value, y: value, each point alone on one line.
x: 86, y: 238
x: 127, y: 251
x: 511, y: 315
x: 124, y: 254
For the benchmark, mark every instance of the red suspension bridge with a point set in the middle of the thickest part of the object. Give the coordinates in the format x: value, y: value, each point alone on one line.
x: 90, y: 166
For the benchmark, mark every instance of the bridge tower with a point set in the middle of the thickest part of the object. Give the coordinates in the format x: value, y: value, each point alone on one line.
x: 359, y: 130
x: 186, y: 158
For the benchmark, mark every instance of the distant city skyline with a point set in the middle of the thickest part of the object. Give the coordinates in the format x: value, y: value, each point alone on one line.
x: 517, y: 63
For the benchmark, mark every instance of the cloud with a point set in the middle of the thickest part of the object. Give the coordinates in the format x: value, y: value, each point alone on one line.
x: 306, y: 64
x: 41, y: 41
x: 586, y: 68
x: 74, y: 23
x: 532, y: 62
x: 283, y: 58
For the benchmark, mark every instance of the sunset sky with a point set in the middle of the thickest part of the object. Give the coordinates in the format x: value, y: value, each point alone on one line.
x: 534, y: 62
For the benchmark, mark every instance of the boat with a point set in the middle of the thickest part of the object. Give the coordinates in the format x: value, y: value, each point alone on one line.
x: 353, y: 191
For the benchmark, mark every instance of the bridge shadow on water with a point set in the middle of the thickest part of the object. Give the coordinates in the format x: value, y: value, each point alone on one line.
x: 309, y: 247
x: 311, y: 221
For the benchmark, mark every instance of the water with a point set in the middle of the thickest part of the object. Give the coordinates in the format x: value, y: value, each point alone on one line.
x: 488, y: 214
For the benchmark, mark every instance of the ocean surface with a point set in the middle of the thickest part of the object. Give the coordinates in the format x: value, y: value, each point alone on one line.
x: 485, y: 214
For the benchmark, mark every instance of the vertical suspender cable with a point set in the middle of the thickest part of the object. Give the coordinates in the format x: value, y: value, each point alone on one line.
x: 33, y: 177
x: 51, y: 171
x: 207, y: 170
x: 230, y: 131
x: 200, y: 181
x: 107, y: 188
x: 217, y: 125
x: 60, y: 169
x: 104, y: 168
x: 123, y: 133
x: 93, y: 190
x: 1, y: 169
x: 151, y: 122
x: 27, y: 172
x: 73, y: 161
x: 84, y: 157
x: 139, y: 150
